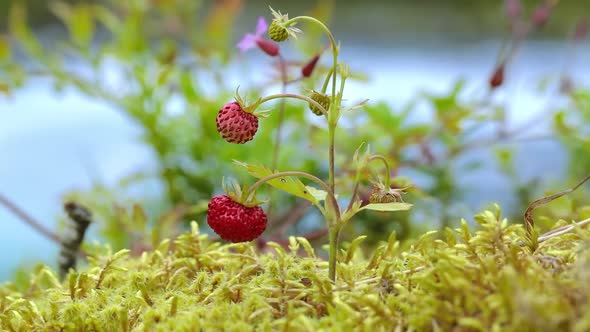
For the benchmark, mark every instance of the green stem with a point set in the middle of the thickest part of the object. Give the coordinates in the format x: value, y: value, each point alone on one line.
x: 333, y: 225
x: 331, y: 134
x: 387, y: 168
x: 332, y: 118
x: 334, y: 233
x: 277, y: 141
x: 354, y: 190
x: 331, y: 198
x: 332, y: 43
x: 327, y: 80
x: 295, y: 96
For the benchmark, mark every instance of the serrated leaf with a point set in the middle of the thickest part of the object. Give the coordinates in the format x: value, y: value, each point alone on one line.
x: 289, y: 184
x: 388, y: 207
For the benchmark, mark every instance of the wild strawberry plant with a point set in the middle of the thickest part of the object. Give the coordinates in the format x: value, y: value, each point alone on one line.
x: 237, y: 216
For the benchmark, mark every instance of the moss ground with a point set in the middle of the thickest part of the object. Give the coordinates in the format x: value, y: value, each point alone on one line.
x: 461, y: 280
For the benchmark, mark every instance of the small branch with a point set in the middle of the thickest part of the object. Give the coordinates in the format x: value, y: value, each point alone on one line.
x: 562, y: 230
x: 529, y: 223
x: 27, y: 219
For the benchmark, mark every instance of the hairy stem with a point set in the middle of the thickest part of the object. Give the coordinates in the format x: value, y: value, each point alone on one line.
x: 387, y: 168
x: 332, y: 44
x: 334, y: 233
x: 277, y: 145
x: 294, y: 96
x: 277, y: 141
x: 331, y: 133
x: 327, y: 80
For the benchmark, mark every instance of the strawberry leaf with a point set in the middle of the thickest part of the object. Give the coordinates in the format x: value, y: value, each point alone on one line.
x: 389, y: 207
x: 289, y: 184
x: 319, y: 194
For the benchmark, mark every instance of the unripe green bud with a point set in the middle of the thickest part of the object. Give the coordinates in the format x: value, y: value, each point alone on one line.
x: 322, y: 99
x: 277, y: 32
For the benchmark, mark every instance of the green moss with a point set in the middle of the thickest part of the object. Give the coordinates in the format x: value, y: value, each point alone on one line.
x: 482, y: 280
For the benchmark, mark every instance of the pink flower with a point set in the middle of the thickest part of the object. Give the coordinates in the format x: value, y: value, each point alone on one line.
x: 513, y: 8
x: 252, y: 40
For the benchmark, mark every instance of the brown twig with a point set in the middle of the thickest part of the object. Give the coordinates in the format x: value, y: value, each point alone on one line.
x: 529, y: 223
x: 28, y: 219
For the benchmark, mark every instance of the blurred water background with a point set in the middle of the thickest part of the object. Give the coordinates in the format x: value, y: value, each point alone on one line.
x: 51, y: 143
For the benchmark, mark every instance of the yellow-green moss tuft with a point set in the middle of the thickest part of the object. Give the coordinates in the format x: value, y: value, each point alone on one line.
x: 461, y: 279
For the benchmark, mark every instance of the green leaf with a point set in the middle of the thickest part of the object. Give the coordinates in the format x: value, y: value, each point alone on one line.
x: 389, y: 207
x: 355, y: 208
x: 187, y: 87
x: 4, y: 89
x: 289, y: 184
x: 81, y: 25
x: 19, y: 29
x: 4, y: 48
x: 320, y: 195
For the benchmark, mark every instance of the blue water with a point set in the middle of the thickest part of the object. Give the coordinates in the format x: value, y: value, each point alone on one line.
x: 51, y: 143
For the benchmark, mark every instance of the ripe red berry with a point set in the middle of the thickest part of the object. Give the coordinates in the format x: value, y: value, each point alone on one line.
x: 236, y: 125
x: 233, y: 221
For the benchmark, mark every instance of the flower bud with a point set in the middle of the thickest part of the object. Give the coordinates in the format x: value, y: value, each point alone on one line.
x: 321, y: 99
x: 541, y: 15
x: 566, y: 86
x: 267, y: 47
x: 375, y: 196
x: 581, y: 30
x: 513, y: 8
x: 310, y: 66
x: 277, y: 32
x: 497, y: 77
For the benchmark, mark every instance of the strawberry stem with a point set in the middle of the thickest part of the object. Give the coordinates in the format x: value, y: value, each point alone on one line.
x: 387, y: 168
x: 292, y: 95
x: 327, y: 80
x: 332, y: 43
x: 331, y: 198
x: 332, y: 122
x: 334, y: 234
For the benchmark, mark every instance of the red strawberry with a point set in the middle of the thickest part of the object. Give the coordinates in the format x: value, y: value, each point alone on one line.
x: 236, y: 125
x: 233, y: 221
